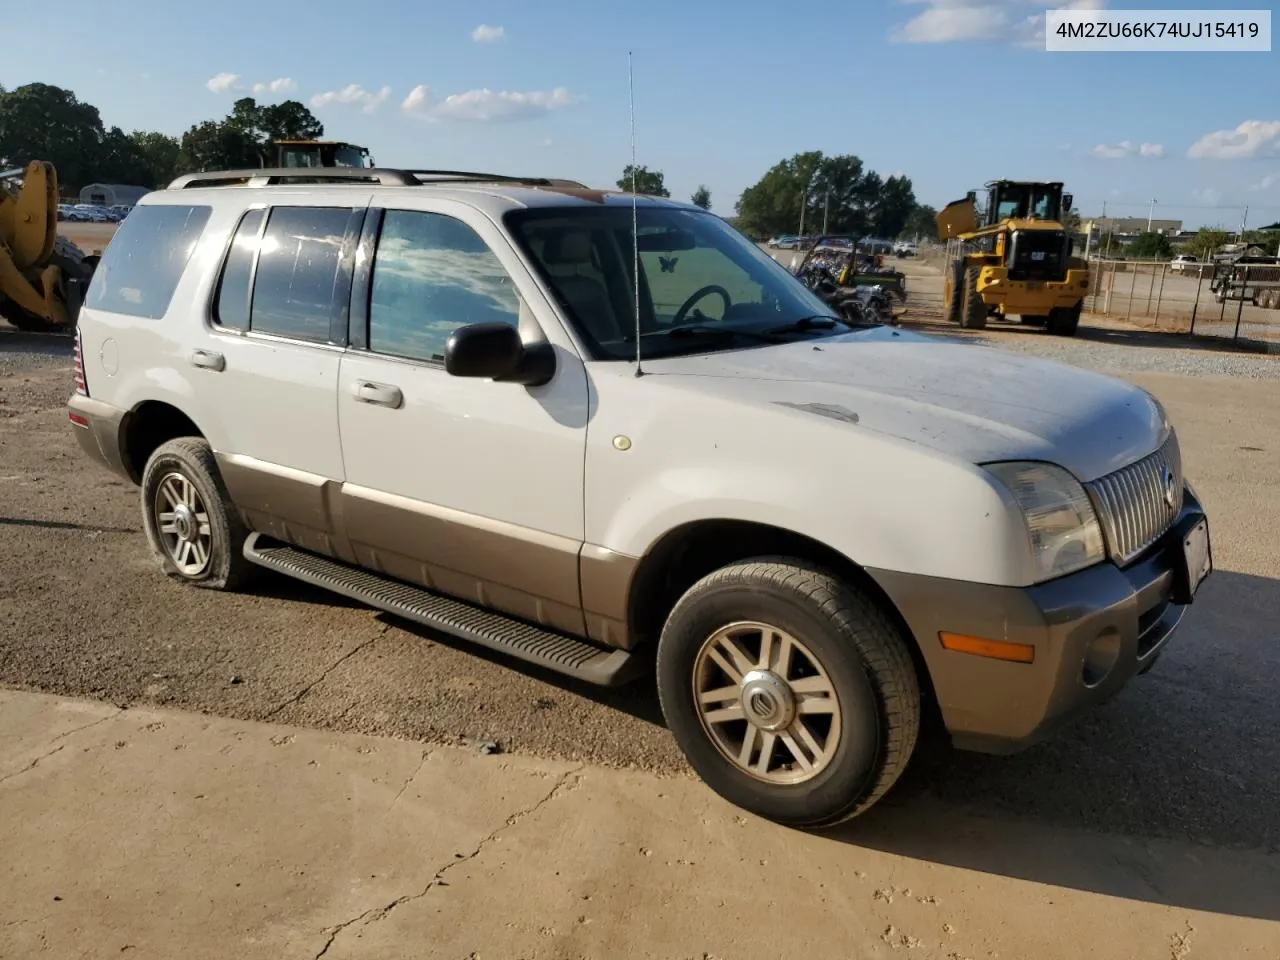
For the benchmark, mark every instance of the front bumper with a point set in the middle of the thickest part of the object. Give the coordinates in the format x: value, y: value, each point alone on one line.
x: 1092, y: 632
x: 1029, y: 297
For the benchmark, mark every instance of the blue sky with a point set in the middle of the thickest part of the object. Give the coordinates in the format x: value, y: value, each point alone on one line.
x: 723, y: 91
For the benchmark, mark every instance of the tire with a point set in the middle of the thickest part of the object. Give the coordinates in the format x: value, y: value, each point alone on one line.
x: 952, y: 292
x: 1064, y: 321
x: 1033, y: 319
x: 182, y: 465
x: 973, y: 312
x: 862, y: 660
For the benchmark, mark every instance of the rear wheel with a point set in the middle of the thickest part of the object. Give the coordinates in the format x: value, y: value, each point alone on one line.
x: 1063, y: 321
x: 193, y: 529
x: 790, y: 692
x: 973, y: 312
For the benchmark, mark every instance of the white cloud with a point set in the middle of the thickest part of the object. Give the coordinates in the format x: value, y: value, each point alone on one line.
x: 1209, y: 196
x: 485, y: 106
x: 487, y: 34
x: 997, y: 21
x: 1249, y: 139
x: 352, y: 93
x: 222, y: 82
x: 1113, y: 151
x: 1127, y: 148
x: 1266, y: 183
x: 279, y: 85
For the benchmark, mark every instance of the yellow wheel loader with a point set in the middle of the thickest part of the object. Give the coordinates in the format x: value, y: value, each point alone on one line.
x: 43, y: 277
x: 1013, y: 258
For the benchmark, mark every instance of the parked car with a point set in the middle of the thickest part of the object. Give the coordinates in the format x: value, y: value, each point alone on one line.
x: 810, y: 532
x: 1184, y: 263
x: 786, y: 242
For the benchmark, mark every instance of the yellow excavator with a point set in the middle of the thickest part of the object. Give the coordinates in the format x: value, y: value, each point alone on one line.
x: 43, y: 277
x: 1014, y: 257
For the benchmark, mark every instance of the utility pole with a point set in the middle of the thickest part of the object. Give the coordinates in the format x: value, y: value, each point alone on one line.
x: 1243, y: 220
x: 1151, y: 214
x: 826, y: 206
x: 804, y: 202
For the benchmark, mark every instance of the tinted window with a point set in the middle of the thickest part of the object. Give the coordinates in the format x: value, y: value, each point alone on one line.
x: 302, y: 284
x: 431, y: 275
x: 232, y: 307
x: 144, y: 261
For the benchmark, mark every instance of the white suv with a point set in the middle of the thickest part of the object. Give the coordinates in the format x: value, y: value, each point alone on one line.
x: 422, y: 391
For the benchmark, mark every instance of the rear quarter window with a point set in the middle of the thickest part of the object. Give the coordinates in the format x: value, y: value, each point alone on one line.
x: 144, y: 261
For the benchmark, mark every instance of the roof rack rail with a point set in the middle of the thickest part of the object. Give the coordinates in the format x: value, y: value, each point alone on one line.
x: 270, y: 176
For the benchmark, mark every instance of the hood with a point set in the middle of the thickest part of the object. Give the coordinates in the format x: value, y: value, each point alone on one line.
x: 961, y: 398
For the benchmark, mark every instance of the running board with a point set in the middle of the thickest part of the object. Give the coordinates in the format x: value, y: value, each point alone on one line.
x: 556, y: 651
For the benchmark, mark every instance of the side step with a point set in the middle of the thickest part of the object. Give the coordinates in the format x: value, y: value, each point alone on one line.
x: 556, y: 651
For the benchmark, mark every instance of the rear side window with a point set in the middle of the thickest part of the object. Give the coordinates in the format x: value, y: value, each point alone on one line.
x: 143, y: 263
x: 302, y: 284
x: 232, y: 307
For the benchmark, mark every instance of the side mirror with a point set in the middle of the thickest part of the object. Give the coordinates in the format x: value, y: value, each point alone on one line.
x: 494, y: 351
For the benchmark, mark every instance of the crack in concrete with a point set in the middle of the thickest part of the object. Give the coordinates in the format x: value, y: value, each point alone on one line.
x: 324, y: 675
x: 62, y: 736
x: 374, y: 914
x: 426, y: 754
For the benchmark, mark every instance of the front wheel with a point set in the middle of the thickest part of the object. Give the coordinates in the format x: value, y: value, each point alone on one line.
x: 792, y: 694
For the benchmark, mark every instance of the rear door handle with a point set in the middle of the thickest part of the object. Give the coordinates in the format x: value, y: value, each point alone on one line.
x: 383, y: 394
x: 208, y: 359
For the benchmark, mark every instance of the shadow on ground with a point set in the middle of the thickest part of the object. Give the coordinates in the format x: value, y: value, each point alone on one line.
x: 1186, y: 753
x: 1166, y: 794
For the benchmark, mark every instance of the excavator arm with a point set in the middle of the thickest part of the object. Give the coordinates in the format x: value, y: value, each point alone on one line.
x: 42, y: 276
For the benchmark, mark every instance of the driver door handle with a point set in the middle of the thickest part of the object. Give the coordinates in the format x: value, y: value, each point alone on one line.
x: 383, y: 394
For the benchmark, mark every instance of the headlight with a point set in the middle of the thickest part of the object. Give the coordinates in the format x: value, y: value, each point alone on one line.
x: 1063, y: 528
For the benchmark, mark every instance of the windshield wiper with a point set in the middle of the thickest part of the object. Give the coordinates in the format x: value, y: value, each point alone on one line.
x: 708, y: 330
x: 804, y: 324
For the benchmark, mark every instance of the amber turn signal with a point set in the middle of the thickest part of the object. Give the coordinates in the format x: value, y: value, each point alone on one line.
x: 996, y: 649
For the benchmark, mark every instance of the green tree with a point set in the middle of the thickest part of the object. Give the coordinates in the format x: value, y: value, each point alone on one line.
x: 290, y: 120
x: 1206, y: 242
x: 643, y: 180
x: 160, y: 154
x: 921, y: 223
x: 892, y: 207
x: 701, y: 197
x: 1151, y: 245
x: 39, y: 121
x: 215, y: 145
x: 838, y: 191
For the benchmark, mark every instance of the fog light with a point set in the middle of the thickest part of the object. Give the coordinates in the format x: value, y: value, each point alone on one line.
x: 1100, y: 657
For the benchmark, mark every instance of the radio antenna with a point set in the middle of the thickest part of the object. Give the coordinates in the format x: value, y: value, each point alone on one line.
x: 635, y: 217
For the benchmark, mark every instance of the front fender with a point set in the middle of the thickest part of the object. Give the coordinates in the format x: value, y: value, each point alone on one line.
x: 881, y: 501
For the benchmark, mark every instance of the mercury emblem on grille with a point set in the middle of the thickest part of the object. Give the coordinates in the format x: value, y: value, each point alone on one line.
x: 1170, y: 491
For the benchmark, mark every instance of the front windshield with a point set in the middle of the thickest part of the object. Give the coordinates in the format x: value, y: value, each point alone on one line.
x: 696, y: 273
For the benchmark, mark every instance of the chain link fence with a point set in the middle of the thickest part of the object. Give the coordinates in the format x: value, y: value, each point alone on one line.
x: 1235, y: 301
x: 1227, y: 300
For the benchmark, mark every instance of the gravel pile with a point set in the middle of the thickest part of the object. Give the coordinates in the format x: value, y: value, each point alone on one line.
x: 1108, y: 357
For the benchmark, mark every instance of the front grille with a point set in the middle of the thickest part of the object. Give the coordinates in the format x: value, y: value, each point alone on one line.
x: 1038, y: 255
x: 1133, y: 505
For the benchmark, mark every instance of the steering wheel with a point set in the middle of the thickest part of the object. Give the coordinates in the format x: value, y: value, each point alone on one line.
x: 698, y: 295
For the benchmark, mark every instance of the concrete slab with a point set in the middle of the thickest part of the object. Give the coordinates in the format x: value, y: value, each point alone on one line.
x: 159, y: 834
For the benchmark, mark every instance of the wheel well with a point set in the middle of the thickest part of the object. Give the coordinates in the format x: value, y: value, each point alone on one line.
x: 690, y: 552
x: 146, y: 427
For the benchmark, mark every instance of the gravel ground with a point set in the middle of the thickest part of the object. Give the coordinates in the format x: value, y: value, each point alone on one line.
x: 1186, y: 752
x: 1109, y: 346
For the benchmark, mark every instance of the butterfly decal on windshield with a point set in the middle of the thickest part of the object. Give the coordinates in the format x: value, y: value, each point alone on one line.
x: 668, y: 264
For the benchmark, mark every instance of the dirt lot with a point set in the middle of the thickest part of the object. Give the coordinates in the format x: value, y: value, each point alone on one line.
x: 1186, y: 755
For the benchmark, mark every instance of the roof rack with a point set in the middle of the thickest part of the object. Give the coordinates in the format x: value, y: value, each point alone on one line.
x: 271, y: 176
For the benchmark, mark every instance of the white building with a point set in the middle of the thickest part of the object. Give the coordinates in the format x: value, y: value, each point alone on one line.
x: 110, y: 194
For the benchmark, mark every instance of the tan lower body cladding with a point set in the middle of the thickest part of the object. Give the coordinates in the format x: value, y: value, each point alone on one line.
x: 554, y: 581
